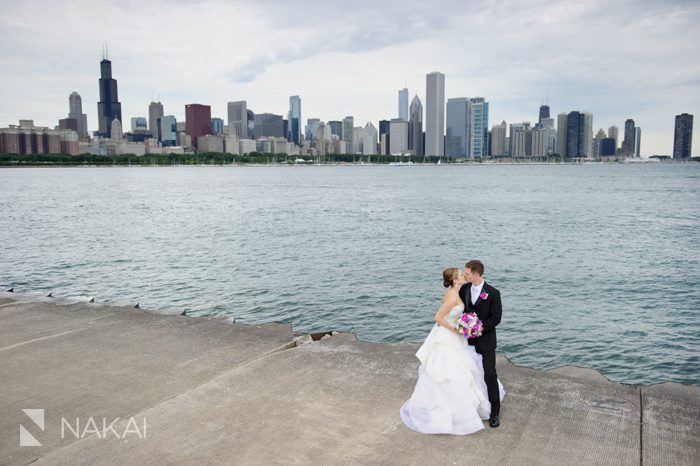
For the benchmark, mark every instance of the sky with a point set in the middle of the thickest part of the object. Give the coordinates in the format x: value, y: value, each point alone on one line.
x: 618, y: 60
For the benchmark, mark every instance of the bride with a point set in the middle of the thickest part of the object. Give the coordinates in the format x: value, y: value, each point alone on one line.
x: 450, y: 396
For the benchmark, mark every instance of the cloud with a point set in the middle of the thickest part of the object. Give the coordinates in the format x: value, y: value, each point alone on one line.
x: 361, y: 28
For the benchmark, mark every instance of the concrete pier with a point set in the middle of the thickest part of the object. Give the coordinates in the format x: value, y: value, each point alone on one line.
x: 189, y: 390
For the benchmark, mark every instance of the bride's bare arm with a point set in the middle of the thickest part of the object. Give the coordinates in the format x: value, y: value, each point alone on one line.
x: 450, y: 300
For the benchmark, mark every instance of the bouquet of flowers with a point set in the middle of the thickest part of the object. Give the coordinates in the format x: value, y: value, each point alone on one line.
x: 469, y: 325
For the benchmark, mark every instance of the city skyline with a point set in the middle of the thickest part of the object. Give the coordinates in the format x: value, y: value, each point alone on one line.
x: 628, y: 60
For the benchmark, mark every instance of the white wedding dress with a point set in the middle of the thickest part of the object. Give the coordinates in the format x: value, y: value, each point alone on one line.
x: 450, y: 396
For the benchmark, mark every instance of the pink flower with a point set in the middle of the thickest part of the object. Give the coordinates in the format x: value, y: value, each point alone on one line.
x: 483, y: 295
x: 470, y: 326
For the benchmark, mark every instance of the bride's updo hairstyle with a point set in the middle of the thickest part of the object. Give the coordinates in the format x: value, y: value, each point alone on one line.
x: 448, y: 275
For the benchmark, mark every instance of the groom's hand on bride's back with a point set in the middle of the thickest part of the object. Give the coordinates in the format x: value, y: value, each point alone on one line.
x: 496, y: 311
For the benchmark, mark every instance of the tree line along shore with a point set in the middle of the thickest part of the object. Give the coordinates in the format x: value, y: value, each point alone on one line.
x: 257, y: 158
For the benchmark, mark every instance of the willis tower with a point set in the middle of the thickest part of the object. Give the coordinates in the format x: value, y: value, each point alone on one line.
x: 109, y: 106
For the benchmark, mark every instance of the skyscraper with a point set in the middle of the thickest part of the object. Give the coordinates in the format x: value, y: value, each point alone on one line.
x: 217, y: 126
x: 320, y: 139
x: 75, y: 104
x: 520, y: 140
x: 613, y: 134
x: 109, y: 107
x: 369, y: 139
x: 683, y: 136
x: 575, y: 134
x: 457, y: 135
x: 168, y: 131
x: 637, y: 141
x: 478, y: 142
x: 588, y: 134
x: 628, y: 144
x: 403, y: 104
x: 155, y: 111
x: 544, y: 113
x: 336, y: 128
x: 269, y: 125
x: 467, y: 127
x: 549, y: 134
x: 498, y: 139
x: 399, y: 136
x: 238, y: 118
x: 598, y: 143
x: 251, y: 123
x: 608, y: 147
x: 294, y: 129
x: 311, y: 128
x: 357, y: 139
x: 348, y: 133
x: 384, y: 127
x: 435, y: 113
x: 197, y: 121
x: 575, y: 129
x: 415, y: 127
x: 562, y: 123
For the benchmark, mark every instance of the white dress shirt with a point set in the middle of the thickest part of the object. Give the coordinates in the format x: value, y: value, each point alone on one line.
x: 476, y: 291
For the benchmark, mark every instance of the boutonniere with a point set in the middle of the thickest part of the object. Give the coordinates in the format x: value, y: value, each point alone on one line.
x: 483, y: 295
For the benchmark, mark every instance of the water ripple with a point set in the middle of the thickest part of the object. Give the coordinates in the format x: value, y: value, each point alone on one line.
x: 598, y: 266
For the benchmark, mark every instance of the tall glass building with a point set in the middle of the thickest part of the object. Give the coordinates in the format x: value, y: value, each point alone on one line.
x: 467, y: 127
x: 479, y: 128
x: 168, y: 130
x: 312, y: 125
x: 294, y: 128
x: 457, y: 136
x: 217, y: 126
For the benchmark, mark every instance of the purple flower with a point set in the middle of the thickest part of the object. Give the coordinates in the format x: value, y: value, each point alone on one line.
x: 470, y: 325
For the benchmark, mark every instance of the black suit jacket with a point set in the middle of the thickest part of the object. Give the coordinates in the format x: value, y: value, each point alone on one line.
x: 489, y: 311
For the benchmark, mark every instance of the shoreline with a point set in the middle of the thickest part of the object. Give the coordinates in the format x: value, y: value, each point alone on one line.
x: 41, y: 297
x: 357, y: 164
x: 217, y: 392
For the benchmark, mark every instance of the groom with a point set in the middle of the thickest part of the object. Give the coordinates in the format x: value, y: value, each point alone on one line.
x: 485, y: 300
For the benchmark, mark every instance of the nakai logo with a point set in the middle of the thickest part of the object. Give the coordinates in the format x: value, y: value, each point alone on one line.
x: 25, y: 438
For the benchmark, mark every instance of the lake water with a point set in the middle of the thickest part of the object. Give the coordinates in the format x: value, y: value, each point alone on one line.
x: 598, y: 265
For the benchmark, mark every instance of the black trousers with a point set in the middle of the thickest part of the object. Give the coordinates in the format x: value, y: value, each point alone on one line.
x: 488, y: 359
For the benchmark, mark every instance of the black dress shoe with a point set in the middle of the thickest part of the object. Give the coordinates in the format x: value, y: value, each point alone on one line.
x: 494, y: 421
